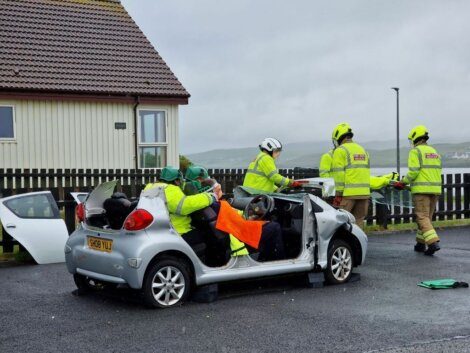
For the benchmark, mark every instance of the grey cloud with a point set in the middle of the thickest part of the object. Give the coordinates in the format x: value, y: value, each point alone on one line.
x: 295, y: 69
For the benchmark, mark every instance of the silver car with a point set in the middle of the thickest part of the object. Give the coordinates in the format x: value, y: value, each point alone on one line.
x: 139, y: 247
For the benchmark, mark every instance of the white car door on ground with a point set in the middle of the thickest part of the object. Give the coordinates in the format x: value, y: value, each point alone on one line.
x: 33, y: 219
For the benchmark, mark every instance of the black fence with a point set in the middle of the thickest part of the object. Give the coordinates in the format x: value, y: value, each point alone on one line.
x: 61, y: 182
x: 454, y: 202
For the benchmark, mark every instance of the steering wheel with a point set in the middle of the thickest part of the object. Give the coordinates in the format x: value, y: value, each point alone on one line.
x: 259, y: 207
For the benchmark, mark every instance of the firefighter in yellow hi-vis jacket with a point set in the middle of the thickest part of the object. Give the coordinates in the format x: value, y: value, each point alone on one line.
x: 262, y: 173
x: 424, y: 178
x: 325, y: 164
x: 351, y: 171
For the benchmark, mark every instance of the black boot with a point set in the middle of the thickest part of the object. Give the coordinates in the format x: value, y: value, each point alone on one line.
x: 432, y: 248
x: 420, y: 247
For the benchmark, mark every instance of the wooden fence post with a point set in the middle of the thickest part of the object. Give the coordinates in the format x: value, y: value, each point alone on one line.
x: 69, y: 210
x: 458, y: 196
x: 466, y: 195
x: 7, y: 241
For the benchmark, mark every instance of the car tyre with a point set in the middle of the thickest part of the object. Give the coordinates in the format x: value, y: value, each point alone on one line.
x: 167, y: 283
x: 340, y: 262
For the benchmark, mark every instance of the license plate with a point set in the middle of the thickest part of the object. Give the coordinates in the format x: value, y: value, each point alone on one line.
x: 100, y: 244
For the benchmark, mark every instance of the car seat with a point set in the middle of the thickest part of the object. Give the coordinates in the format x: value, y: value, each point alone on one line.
x: 117, y: 208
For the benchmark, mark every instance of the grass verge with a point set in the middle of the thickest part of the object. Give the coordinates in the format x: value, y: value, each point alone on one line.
x: 412, y: 226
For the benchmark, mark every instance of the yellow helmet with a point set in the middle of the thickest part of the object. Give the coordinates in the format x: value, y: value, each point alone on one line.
x: 339, y: 132
x: 418, y: 132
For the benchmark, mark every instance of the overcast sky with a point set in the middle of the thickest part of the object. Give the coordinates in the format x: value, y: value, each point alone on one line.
x: 294, y: 69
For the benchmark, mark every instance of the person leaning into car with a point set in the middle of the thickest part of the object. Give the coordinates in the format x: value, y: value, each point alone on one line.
x: 180, y: 206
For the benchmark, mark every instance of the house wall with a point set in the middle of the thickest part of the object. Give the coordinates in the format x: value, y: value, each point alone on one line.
x: 69, y: 134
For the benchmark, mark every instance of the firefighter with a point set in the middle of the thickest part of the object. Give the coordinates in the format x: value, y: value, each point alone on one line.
x: 424, y: 178
x: 325, y: 164
x: 262, y: 173
x: 181, y: 206
x: 351, y: 170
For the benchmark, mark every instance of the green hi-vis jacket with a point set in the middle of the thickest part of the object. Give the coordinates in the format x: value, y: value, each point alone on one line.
x: 325, y: 164
x: 181, y: 206
x: 351, y: 170
x: 424, y: 170
x: 263, y: 175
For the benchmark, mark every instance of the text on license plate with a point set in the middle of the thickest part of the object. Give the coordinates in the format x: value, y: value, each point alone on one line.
x: 99, y: 244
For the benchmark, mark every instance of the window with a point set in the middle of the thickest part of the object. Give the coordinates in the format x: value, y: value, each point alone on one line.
x: 152, y: 139
x: 7, y: 123
x: 33, y: 206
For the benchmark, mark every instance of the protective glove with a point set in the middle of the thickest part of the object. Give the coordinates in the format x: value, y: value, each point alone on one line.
x: 337, y: 201
x: 399, y: 185
x: 296, y: 184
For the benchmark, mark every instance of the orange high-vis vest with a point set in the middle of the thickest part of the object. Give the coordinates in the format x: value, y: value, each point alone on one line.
x: 229, y: 221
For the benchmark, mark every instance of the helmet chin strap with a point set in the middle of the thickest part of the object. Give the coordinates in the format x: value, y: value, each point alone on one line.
x: 335, y: 143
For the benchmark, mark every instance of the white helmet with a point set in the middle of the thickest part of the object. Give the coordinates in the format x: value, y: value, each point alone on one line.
x: 271, y: 144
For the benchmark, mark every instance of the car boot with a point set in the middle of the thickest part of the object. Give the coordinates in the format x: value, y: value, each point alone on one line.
x: 420, y: 247
x: 432, y: 248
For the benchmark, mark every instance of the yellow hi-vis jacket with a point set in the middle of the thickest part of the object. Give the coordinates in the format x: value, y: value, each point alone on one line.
x: 325, y: 164
x: 263, y: 175
x: 351, y: 170
x: 424, y: 170
x: 181, y: 206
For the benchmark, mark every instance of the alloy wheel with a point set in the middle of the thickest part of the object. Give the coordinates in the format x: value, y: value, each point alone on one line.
x: 168, y: 286
x: 341, y: 263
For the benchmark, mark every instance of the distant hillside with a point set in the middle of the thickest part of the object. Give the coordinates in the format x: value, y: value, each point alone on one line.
x: 308, y: 154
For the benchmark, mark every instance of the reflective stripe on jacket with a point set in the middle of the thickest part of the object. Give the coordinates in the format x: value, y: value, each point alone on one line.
x: 424, y: 170
x: 325, y: 164
x: 237, y: 247
x: 263, y: 175
x: 351, y: 170
x: 181, y: 206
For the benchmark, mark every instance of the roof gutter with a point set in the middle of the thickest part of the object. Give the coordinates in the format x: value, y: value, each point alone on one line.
x: 136, y: 158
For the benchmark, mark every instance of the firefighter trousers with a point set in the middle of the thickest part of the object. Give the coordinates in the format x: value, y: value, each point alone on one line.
x: 425, y: 206
x: 358, y: 208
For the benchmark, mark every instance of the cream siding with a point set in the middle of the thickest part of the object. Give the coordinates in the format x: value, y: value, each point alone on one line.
x: 81, y: 135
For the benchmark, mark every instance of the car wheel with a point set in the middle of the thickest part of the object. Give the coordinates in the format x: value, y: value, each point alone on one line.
x: 167, y: 283
x: 340, y: 262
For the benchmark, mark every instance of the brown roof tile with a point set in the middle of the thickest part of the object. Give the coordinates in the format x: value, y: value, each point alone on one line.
x: 79, y: 46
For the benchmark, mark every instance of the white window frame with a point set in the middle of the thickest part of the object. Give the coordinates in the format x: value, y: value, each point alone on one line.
x: 151, y: 144
x: 10, y: 139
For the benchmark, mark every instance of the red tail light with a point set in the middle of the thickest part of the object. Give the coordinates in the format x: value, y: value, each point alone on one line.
x: 138, y: 220
x: 80, y: 212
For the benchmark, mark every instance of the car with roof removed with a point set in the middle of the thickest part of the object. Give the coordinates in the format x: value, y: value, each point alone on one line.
x: 132, y: 243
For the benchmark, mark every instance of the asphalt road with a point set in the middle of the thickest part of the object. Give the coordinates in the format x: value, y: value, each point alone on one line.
x: 385, y: 311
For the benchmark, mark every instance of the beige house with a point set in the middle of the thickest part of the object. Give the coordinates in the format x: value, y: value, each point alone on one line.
x: 82, y: 87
